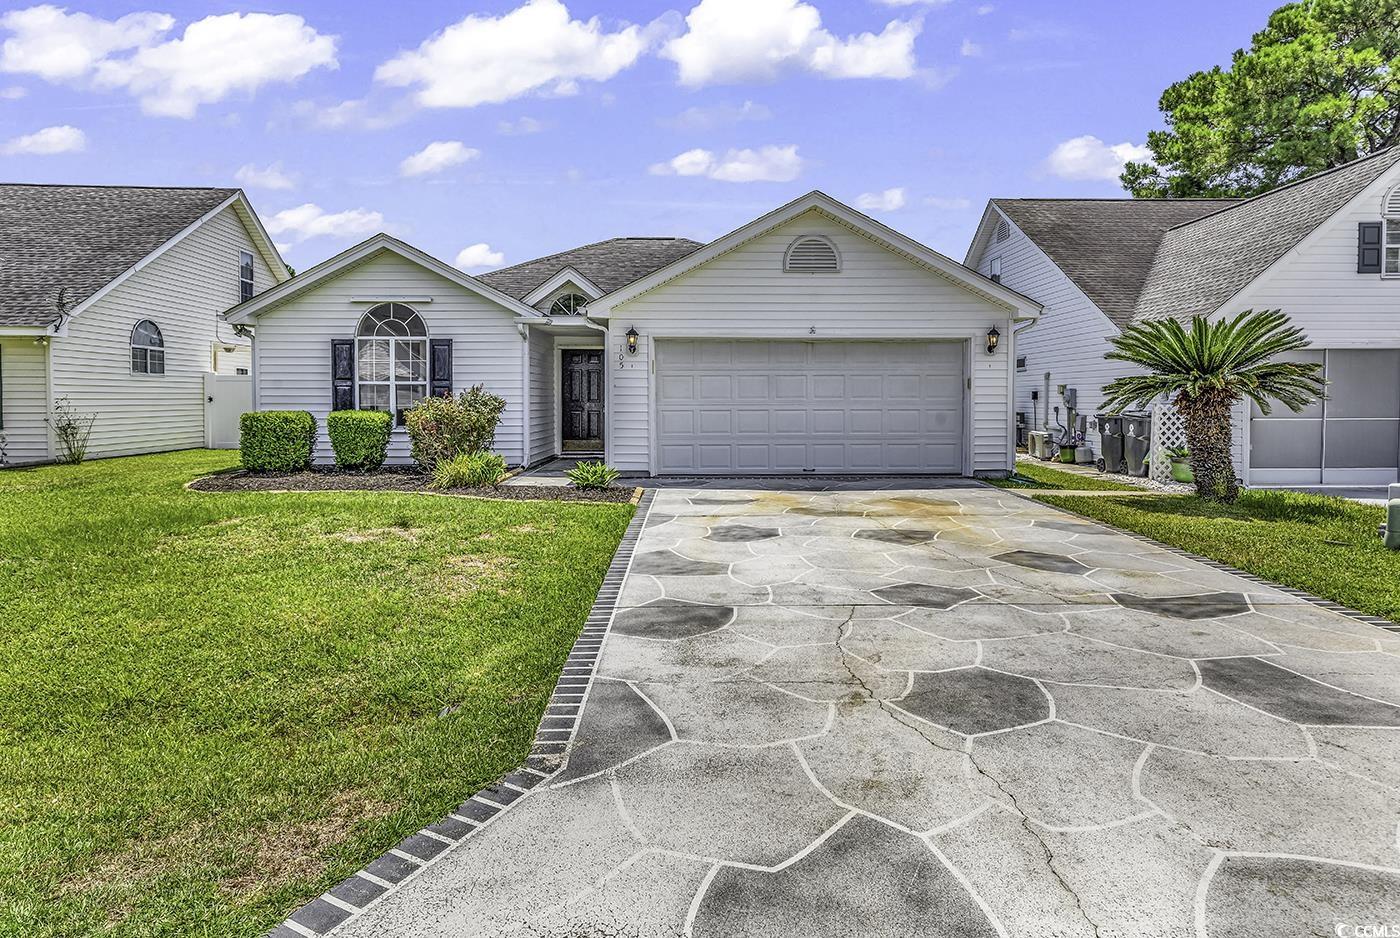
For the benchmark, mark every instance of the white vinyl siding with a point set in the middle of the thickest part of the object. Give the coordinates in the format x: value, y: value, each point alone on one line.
x: 292, y: 348
x: 182, y: 291
x: 544, y: 400
x: 745, y: 293
x: 1069, y: 341
x: 24, y: 395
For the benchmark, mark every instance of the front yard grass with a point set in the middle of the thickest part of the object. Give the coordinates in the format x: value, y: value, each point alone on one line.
x: 1035, y: 475
x: 1326, y: 546
x: 215, y: 706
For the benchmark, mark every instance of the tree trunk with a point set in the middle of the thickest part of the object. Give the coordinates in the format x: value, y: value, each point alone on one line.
x: 1208, y: 433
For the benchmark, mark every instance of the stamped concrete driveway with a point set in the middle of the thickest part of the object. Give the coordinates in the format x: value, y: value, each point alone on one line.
x: 947, y: 711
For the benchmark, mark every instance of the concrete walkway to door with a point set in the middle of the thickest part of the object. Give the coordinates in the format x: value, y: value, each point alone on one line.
x: 943, y: 711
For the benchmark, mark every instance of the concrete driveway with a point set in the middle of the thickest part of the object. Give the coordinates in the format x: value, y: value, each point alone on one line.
x: 943, y: 711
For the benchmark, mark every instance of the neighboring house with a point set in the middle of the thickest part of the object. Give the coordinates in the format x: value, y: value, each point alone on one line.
x: 110, y: 298
x: 813, y: 339
x: 1325, y: 250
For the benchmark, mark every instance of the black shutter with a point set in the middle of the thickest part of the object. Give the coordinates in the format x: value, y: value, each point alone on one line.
x: 440, y: 367
x: 1368, y: 247
x: 342, y: 374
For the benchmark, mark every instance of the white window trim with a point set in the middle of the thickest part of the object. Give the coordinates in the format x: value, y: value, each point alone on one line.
x: 131, y: 346
x: 252, y: 277
x: 1387, y: 247
x: 391, y: 382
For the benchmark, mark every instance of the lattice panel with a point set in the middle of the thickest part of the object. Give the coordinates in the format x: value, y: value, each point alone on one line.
x: 1168, y: 432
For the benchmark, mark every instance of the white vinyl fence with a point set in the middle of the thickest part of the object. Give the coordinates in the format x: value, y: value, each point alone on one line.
x: 226, y: 398
x: 1168, y: 432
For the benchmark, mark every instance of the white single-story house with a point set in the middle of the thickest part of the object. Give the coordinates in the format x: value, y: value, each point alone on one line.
x: 110, y: 300
x: 1325, y: 250
x: 813, y: 339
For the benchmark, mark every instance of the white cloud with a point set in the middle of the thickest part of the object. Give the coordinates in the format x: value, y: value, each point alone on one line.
x: 969, y: 49
x: 479, y: 257
x: 436, y: 157
x: 889, y: 200
x: 521, y: 127
x: 985, y: 8
x: 12, y: 93
x: 765, y: 164
x: 268, y: 177
x: 311, y: 221
x: 47, y: 142
x: 490, y: 59
x: 1088, y: 157
x: 739, y: 40
x: 721, y: 115
x: 215, y: 57
x: 955, y: 203
x: 56, y: 45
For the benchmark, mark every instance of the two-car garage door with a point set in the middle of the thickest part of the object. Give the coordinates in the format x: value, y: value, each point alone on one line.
x: 727, y: 406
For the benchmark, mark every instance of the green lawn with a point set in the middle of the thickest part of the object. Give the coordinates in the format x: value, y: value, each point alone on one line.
x: 1036, y: 475
x: 214, y: 706
x: 1327, y: 546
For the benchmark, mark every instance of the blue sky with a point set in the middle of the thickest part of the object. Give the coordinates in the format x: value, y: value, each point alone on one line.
x: 487, y: 133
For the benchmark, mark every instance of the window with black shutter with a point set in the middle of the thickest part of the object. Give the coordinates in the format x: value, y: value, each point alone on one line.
x: 342, y: 374
x: 440, y: 367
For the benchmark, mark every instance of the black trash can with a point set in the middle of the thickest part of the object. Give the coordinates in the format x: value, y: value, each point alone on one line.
x: 1137, y: 442
x: 1111, y: 443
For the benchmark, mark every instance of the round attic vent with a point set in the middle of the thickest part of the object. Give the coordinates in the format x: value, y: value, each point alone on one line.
x: 812, y: 254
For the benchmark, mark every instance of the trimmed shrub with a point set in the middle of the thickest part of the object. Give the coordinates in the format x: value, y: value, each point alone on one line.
x: 360, y: 438
x: 469, y: 470
x: 443, y: 427
x: 276, y: 440
x: 592, y: 475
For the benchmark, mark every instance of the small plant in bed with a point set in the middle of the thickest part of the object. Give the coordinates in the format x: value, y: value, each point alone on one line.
x: 592, y: 475
x: 359, y: 438
x: 276, y: 440
x: 469, y: 470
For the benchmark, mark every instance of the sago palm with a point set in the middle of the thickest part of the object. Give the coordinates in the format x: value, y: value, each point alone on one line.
x: 1207, y: 368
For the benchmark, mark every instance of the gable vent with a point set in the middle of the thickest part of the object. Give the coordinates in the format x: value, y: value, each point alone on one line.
x: 1003, y: 230
x: 812, y: 254
x: 1391, y: 209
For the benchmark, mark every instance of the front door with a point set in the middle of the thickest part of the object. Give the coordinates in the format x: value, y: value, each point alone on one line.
x: 582, y: 371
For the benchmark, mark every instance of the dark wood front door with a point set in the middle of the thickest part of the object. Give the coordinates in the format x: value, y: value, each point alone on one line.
x: 582, y: 371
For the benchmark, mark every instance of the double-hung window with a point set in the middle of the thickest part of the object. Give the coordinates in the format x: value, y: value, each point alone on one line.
x: 391, y: 354
x: 245, y: 276
x: 1392, y: 247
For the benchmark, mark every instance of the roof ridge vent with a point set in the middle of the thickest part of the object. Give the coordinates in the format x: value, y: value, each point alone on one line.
x: 812, y: 254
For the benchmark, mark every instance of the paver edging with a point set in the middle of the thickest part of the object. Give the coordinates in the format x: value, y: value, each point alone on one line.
x: 1379, y: 622
x: 416, y: 852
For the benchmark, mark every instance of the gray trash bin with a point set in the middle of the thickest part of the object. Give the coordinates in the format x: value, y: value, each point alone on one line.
x: 1137, y: 442
x: 1110, y: 443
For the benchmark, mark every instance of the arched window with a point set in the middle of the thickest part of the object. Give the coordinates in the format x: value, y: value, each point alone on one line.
x: 147, y: 349
x: 812, y: 254
x: 1391, y: 211
x: 391, y: 359
x: 569, y: 304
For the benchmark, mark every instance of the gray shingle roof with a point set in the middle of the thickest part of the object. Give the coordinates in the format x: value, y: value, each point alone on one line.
x: 1105, y: 246
x: 608, y: 264
x: 1202, y: 264
x: 81, y: 238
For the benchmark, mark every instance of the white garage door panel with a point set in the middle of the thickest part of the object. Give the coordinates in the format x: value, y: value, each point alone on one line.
x: 783, y: 406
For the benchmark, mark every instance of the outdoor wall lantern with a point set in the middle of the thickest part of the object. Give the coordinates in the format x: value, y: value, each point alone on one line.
x: 993, y: 338
x: 632, y: 341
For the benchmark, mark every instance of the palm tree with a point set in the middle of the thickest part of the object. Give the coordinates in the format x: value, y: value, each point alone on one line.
x: 1208, y: 368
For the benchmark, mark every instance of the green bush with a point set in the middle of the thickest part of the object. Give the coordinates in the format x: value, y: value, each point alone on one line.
x: 276, y: 440
x: 360, y: 438
x: 469, y: 470
x: 443, y: 427
x: 592, y: 475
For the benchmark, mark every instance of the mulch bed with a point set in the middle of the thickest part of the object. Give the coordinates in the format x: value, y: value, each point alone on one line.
x: 392, y: 480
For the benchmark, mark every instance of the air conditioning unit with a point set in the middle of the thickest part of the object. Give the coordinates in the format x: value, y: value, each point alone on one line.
x: 1041, y: 446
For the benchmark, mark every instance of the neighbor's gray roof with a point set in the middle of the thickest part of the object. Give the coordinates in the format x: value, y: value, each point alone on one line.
x: 82, y: 238
x: 608, y: 264
x: 1202, y: 264
x: 1105, y: 246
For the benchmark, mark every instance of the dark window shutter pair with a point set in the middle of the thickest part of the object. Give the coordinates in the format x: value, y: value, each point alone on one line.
x: 1368, y: 247
x: 342, y: 374
x: 440, y: 366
